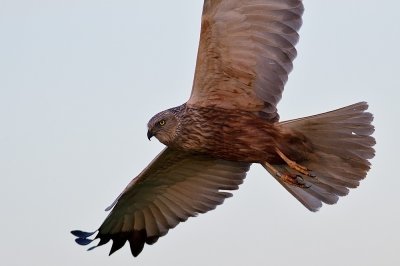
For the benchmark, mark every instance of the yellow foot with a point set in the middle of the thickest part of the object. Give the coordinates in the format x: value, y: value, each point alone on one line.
x: 295, y: 166
x: 287, y: 178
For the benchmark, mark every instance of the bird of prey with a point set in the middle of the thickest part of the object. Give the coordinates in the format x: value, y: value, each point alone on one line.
x: 230, y: 122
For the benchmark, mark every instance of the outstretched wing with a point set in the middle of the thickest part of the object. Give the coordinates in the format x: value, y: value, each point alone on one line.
x: 175, y: 186
x: 245, y: 54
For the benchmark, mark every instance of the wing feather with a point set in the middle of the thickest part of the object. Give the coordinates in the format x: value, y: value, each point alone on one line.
x: 245, y: 54
x: 174, y: 187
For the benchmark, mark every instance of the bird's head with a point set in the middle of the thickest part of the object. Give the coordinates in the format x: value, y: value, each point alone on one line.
x: 163, y: 126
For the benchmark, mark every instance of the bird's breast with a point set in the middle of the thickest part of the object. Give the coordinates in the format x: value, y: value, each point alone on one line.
x: 228, y: 134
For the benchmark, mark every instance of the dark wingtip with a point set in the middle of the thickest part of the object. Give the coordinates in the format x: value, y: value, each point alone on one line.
x: 119, y: 241
x: 91, y: 248
x: 82, y: 234
x: 83, y: 241
x: 83, y: 237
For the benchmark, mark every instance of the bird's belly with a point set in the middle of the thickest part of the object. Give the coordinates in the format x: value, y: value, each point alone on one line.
x: 245, y: 148
x: 233, y: 135
x: 245, y: 143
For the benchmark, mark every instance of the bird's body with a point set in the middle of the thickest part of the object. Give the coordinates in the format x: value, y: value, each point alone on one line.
x: 231, y: 121
x: 233, y: 135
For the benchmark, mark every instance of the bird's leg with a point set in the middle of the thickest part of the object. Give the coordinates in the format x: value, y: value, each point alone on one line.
x: 295, y: 166
x: 287, y: 178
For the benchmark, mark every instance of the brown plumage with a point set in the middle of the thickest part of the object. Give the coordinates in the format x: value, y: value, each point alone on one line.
x: 231, y: 121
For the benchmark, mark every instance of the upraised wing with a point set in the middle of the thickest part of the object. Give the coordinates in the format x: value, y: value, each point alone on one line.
x: 175, y: 186
x: 245, y: 54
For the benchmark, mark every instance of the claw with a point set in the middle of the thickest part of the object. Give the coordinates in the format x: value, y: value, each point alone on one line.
x: 287, y: 178
x: 295, y: 180
x: 300, y: 180
x: 295, y: 166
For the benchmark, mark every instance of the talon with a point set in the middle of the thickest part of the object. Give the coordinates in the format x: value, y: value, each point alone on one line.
x: 295, y: 180
x: 295, y: 166
x: 300, y: 180
x: 290, y: 179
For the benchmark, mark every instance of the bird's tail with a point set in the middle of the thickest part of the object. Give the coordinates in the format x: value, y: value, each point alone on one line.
x: 341, y: 145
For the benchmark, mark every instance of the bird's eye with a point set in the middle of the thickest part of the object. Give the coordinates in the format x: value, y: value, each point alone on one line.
x: 161, y: 123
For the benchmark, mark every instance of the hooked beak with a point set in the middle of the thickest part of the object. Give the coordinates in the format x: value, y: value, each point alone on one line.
x: 149, y: 134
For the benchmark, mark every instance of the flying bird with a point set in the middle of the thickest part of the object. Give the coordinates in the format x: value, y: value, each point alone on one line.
x: 231, y: 121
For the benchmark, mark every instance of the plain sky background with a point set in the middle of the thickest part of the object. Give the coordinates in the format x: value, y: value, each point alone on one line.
x: 79, y: 80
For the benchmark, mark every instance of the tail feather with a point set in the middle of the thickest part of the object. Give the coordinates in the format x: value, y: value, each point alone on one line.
x: 341, y: 144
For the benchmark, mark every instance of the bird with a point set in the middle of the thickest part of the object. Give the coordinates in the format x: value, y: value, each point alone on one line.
x: 230, y: 121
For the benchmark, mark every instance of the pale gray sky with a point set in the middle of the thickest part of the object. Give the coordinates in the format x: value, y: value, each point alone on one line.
x: 80, y: 79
